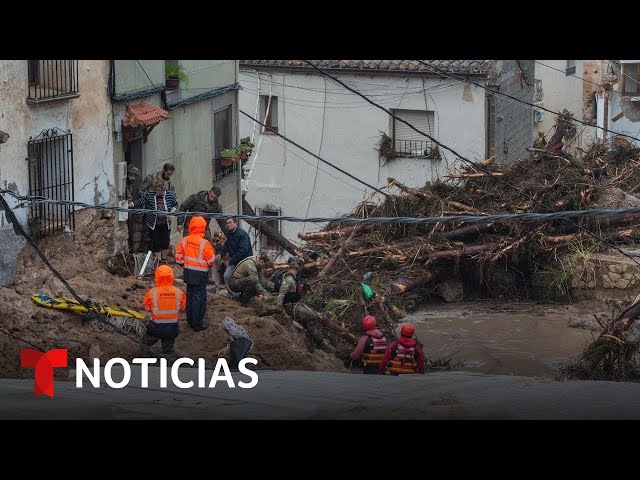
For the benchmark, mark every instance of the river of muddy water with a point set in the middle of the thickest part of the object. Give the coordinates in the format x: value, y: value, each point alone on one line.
x: 501, y: 338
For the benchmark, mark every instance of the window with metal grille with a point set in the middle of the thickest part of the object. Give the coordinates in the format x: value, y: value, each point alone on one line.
x: 631, y: 79
x: 222, y: 139
x: 408, y: 142
x: 50, y: 157
x: 272, y: 113
x: 269, y: 211
x: 52, y: 79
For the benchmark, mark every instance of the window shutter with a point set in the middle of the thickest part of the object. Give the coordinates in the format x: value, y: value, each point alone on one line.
x: 405, y: 136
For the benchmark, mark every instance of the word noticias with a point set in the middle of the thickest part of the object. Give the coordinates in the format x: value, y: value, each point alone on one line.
x: 221, y: 372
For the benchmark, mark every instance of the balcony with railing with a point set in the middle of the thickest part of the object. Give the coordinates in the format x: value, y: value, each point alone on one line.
x: 52, y: 80
x: 416, y: 148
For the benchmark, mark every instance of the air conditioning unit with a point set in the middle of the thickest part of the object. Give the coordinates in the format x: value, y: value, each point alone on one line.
x: 538, y: 116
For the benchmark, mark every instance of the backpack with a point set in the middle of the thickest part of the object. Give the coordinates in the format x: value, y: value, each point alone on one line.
x: 290, y: 297
x: 277, y: 278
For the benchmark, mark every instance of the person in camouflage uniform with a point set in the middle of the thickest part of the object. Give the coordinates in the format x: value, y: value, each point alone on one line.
x: 288, y: 300
x: 149, y: 182
x: 203, y: 202
x: 138, y: 237
x: 248, y: 278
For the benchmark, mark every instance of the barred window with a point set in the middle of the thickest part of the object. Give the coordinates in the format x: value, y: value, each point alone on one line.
x: 50, y: 156
x: 408, y: 142
x: 52, y: 79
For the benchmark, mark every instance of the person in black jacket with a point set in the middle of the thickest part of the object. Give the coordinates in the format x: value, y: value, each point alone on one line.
x: 237, y: 247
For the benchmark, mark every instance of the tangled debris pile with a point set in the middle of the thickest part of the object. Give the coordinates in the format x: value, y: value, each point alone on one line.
x: 406, y: 263
x: 615, y: 353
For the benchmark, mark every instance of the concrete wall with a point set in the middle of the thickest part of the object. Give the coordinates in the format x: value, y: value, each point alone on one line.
x: 132, y: 75
x: 562, y: 91
x: 187, y: 139
x: 89, y: 119
x: 345, y: 130
x: 511, y: 122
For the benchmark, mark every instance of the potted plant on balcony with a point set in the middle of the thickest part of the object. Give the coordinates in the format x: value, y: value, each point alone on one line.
x: 240, y: 152
x: 174, y: 74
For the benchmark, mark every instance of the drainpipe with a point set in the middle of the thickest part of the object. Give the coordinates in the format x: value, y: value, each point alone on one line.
x: 237, y: 140
x: 606, y: 115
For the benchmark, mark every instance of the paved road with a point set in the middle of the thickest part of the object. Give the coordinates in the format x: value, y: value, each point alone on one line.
x: 321, y: 395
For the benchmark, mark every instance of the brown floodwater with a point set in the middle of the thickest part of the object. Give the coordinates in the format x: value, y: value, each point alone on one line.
x: 501, y: 338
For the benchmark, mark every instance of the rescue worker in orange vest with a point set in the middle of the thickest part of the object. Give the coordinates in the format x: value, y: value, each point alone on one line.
x: 403, y: 355
x: 371, y: 346
x: 195, y: 255
x: 163, y: 302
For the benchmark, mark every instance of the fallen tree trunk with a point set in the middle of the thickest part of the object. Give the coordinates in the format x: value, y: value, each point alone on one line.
x: 337, y: 255
x: 331, y: 234
x: 474, y: 175
x: 404, y: 285
x: 411, y: 191
x: 334, y: 327
x: 441, y: 254
x: 383, y: 248
x: 272, y: 233
x: 598, y: 350
x: 468, y: 231
x: 602, y: 222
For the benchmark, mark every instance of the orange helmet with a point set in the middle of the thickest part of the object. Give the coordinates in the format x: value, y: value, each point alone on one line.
x: 369, y: 322
x: 407, y: 330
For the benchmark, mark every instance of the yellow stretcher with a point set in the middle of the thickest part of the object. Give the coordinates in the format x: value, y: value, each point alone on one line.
x: 73, y: 305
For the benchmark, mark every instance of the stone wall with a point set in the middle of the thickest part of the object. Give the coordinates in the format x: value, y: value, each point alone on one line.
x: 598, y: 275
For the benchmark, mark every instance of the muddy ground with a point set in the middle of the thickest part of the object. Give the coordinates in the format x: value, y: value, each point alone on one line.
x: 81, y: 258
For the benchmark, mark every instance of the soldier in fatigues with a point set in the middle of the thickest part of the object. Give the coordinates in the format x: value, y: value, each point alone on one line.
x: 204, y: 202
x: 138, y: 238
x: 289, y: 299
x: 248, y: 278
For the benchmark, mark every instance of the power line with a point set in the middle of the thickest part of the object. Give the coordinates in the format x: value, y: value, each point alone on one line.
x: 561, y: 215
x: 145, y: 72
x: 314, y: 155
x: 538, y: 107
x: 381, y: 88
x: 273, y: 139
x: 19, y: 230
x: 565, y: 73
x: 470, y: 162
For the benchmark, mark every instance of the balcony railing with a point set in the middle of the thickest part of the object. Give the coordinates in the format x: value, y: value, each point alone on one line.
x: 415, y: 148
x: 52, y: 79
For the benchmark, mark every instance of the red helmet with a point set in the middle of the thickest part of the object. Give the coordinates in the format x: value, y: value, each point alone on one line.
x: 369, y: 322
x: 407, y: 330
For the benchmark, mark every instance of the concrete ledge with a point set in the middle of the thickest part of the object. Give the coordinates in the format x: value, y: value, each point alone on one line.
x: 320, y: 395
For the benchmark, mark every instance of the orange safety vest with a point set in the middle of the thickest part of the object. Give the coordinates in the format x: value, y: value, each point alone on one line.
x: 403, y: 361
x: 193, y: 256
x: 165, y: 306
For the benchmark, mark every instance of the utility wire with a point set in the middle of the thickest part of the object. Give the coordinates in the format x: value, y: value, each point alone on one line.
x: 145, y: 72
x: 271, y: 138
x: 313, y: 154
x: 466, y: 160
x: 17, y: 227
x: 562, y: 215
x: 565, y: 73
x: 538, y: 107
